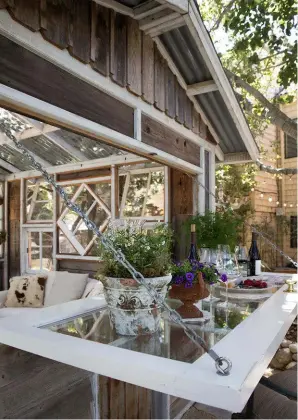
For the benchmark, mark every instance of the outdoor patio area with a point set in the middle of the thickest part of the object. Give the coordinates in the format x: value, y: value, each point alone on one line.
x: 148, y: 210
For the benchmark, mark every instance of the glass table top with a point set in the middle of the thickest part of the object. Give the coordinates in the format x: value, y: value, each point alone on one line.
x: 222, y: 313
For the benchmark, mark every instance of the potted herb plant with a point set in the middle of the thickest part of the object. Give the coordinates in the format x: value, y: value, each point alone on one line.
x: 189, y: 284
x: 215, y: 228
x: 132, y: 310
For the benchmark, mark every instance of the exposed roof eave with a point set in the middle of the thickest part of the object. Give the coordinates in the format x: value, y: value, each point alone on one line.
x: 191, y: 49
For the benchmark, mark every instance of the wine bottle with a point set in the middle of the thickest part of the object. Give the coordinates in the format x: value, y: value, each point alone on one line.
x: 193, y: 253
x: 254, y: 257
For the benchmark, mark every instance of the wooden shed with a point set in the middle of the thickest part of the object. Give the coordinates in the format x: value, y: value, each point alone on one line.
x: 126, y: 103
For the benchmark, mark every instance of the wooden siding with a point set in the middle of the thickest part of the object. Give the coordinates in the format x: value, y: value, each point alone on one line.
x: 14, y: 245
x: 113, y: 45
x: 161, y: 137
x: 56, y: 86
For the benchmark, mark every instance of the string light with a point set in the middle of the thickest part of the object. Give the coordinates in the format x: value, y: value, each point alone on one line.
x: 270, y: 199
x: 277, y: 203
x: 291, y: 205
x: 285, y: 204
x: 252, y: 189
x: 262, y: 195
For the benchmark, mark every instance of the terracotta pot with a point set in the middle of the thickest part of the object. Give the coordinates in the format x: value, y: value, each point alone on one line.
x: 189, y: 296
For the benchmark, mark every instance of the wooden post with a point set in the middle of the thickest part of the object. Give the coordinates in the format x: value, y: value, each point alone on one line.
x: 201, y: 178
x: 6, y: 256
x: 55, y: 236
x: 212, y: 181
x: 114, y: 192
x: 22, y: 208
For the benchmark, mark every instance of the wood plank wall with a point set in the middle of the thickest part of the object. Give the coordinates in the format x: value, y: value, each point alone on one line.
x: 14, y: 212
x: 113, y: 45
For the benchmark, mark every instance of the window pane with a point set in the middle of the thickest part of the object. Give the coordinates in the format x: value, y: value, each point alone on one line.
x: 135, y: 195
x: 98, y: 210
x: 155, y: 198
x: 65, y: 246
x: 33, y: 251
x: 39, y: 200
x: 290, y: 147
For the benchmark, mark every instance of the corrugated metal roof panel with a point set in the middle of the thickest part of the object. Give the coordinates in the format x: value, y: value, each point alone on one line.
x: 14, y: 157
x: 92, y: 149
x: 183, y: 50
x: 49, y: 151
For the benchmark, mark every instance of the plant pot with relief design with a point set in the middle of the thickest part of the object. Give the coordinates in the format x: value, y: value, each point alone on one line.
x: 132, y: 310
x: 189, y: 295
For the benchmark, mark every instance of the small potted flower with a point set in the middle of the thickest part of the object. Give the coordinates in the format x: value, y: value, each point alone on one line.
x: 132, y: 310
x: 190, y: 280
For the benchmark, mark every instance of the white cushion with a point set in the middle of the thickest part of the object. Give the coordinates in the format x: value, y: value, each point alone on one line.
x: 4, y: 312
x: 65, y: 287
x: 93, y: 288
x: 49, y: 284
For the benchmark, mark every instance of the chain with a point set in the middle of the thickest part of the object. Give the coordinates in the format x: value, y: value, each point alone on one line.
x: 261, y: 234
x: 222, y: 364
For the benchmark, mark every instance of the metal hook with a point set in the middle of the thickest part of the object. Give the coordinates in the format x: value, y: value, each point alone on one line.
x: 223, y: 366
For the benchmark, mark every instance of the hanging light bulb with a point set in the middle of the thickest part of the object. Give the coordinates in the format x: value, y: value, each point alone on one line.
x: 291, y: 205
x: 277, y: 203
x: 270, y: 199
x: 261, y: 195
x: 252, y: 189
x: 285, y: 204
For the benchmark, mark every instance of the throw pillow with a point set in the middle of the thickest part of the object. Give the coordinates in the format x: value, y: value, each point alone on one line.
x: 66, y: 287
x: 26, y: 292
x: 93, y: 288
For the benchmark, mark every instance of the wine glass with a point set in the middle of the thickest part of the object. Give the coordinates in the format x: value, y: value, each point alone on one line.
x: 242, y: 258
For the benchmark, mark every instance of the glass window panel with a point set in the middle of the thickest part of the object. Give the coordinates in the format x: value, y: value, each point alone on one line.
x: 39, y: 201
x: 47, y: 251
x: 143, y: 200
x: 33, y: 250
x: 155, y: 198
x: 136, y: 195
x: 65, y: 247
x: 95, y: 212
x: 70, y: 191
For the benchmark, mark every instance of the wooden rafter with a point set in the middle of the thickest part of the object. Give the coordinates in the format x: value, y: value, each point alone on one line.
x: 201, y: 87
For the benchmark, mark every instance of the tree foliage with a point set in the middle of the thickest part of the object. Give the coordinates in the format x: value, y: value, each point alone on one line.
x: 257, y: 43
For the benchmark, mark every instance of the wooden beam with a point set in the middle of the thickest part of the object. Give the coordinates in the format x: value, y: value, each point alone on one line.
x: 138, y: 124
x: 219, y: 153
x: 166, y: 27
x: 39, y: 109
x: 235, y: 158
x: 201, y: 87
x: 128, y: 159
x: 115, y: 5
x: 180, y: 6
x: 147, y: 9
x: 157, y: 20
x: 34, y: 42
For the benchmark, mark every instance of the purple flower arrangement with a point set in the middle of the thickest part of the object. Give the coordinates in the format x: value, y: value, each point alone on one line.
x: 186, y: 273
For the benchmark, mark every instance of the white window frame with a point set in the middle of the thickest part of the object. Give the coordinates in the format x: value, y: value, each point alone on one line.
x: 34, y: 201
x: 142, y: 171
x: 27, y: 231
x: 71, y: 235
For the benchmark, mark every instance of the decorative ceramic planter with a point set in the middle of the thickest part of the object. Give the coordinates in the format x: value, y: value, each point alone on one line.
x: 189, y: 296
x: 132, y: 310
